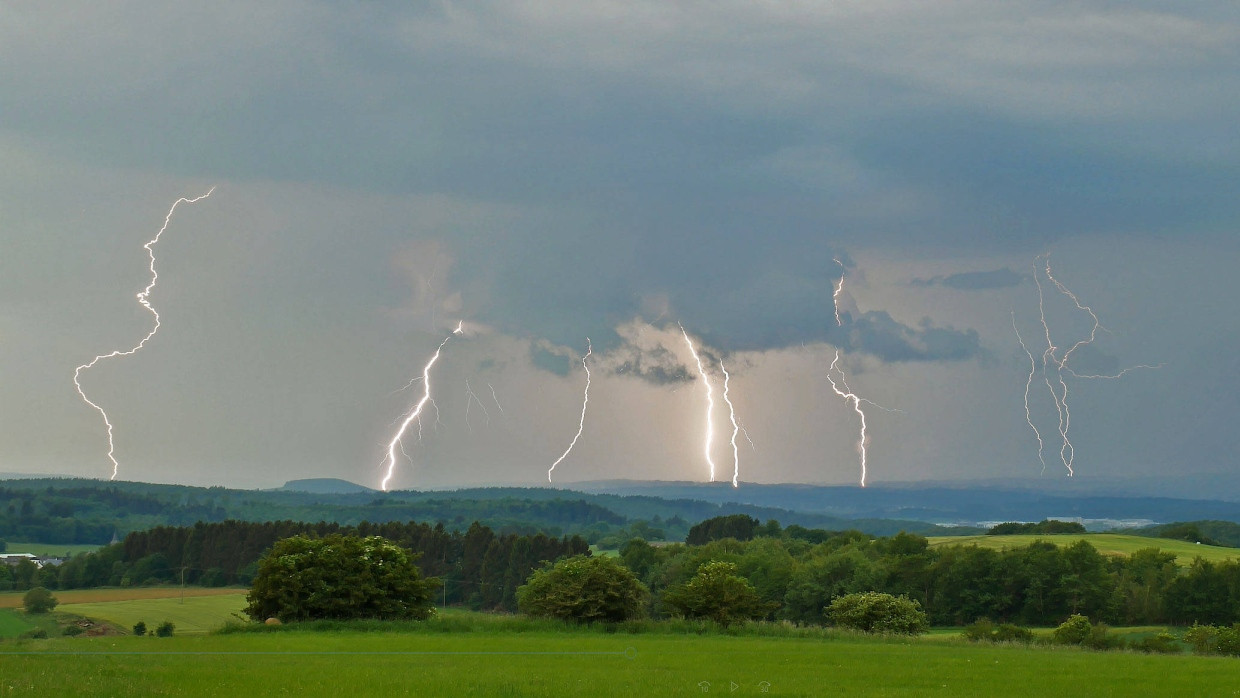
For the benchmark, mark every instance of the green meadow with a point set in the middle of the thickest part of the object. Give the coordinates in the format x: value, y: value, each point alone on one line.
x: 1106, y: 543
x: 192, y: 615
x: 50, y: 548
x: 589, y: 662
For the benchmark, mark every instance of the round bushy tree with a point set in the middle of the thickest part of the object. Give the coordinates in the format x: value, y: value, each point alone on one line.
x: 584, y: 589
x: 39, y: 600
x: 876, y: 612
x: 717, y: 593
x: 339, y: 577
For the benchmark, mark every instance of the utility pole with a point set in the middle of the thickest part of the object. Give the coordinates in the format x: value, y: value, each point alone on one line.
x: 182, y: 584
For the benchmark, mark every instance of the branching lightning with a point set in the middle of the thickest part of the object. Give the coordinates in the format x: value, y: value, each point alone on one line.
x: 495, y: 398
x: 415, y: 413
x: 581, y: 425
x: 1055, y: 364
x: 710, y: 403
x: 850, y: 396
x: 470, y: 397
x: 143, y: 298
x: 736, y: 428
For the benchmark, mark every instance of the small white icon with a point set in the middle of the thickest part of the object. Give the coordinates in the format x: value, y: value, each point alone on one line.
x: 764, y: 687
x: 705, y: 686
x: 734, y: 686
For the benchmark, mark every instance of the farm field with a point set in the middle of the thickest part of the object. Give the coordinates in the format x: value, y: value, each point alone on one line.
x: 508, y: 663
x: 12, y: 623
x: 1106, y: 543
x: 193, y: 616
x: 13, y: 599
x: 56, y: 549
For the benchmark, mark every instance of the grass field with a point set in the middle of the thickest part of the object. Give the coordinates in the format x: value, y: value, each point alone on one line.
x: 1106, y: 543
x: 13, y: 623
x: 50, y: 548
x: 13, y: 599
x: 593, y: 663
x: 193, y: 616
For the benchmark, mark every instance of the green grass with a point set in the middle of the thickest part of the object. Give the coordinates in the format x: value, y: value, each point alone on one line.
x: 194, y: 615
x: 1106, y: 543
x: 13, y: 623
x: 587, y: 662
x: 50, y: 548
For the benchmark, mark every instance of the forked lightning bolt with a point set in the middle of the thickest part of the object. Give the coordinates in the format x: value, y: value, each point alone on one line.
x: 470, y: 397
x: 850, y: 396
x: 710, y: 403
x: 415, y: 413
x: 581, y: 425
x: 736, y: 427
x: 1055, y: 363
x: 143, y: 298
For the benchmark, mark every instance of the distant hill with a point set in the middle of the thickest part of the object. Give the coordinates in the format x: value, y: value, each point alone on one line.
x: 324, y: 485
x: 1105, y: 543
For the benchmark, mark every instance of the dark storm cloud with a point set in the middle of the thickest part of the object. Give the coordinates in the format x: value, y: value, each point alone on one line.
x: 974, y: 280
x: 877, y: 334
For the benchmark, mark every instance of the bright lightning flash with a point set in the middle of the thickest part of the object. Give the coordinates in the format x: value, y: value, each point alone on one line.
x: 143, y: 298
x: 1055, y: 363
x: 581, y: 425
x: 710, y: 403
x: 415, y: 413
x: 839, y: 288
x: 850, y: 396
x: 736, y: 427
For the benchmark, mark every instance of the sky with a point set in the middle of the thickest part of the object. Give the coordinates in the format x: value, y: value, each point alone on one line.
x: 548, y: 172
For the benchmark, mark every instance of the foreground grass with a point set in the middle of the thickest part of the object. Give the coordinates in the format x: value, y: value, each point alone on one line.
x: 13, y: 599
x: 193, y: 615
x: 461, y: 654
x: 1106, y: 543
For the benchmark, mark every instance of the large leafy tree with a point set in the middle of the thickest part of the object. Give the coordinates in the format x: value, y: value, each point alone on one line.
x: 876, y: 612
x: 339, y: 577
x: 717, y: 593
x: 584, y: 589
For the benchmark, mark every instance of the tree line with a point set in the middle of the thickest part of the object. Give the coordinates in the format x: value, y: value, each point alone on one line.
x: 479, y: 567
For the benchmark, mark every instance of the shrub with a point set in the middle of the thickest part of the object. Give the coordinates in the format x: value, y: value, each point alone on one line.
x: 717, y: 593
x: 39, y: 600
x: 1162, y: 643
x: 1077, y: 630
x: 583, y: 589
x: 984, y: 630
x: 165, y: 629
x: 139, y: 628
x: 35, y: 634
x: 876, y: 612
x: 71, y: 631
x: 339, y: 577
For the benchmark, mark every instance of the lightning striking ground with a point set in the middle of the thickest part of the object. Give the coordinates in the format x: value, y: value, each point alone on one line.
x: 415, y: 413
x: 581, y: 425
x: 1055, y: 364
x: 850, y: 396
x: 143, y: 299
x: 710, y: 403
x: 736, y: 427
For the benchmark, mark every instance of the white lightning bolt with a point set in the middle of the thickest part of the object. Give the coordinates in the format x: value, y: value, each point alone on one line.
x: 470, y: 397
x: 1033, y: 368
x: 736, y: 428
x: 143, y: 297
x: 710, y: 403
x: 1055, y: 364
x: 839, y: 288
x: 415, y: 413
x: 585, y: 401
x: 495, y: 398
x: 856, y: 403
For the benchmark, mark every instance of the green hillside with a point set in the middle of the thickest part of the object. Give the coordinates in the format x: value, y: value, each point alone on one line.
x: 1106, y: 543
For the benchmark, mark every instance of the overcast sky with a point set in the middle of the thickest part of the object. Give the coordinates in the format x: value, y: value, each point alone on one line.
x: 551, y: 171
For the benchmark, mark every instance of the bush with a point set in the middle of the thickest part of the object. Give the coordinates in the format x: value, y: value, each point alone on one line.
x: 71, y: 631
x: 139, y: 628
x: 1077, y: 630
x: 165, y: 629
x: 35, y: 634
x: 39, y: 600
x: 984, y: 630
x: 1162, y: 643
x: 876, y: 612
x: 583, y: 589
x: 717, y: 593
x: 339, y: 578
